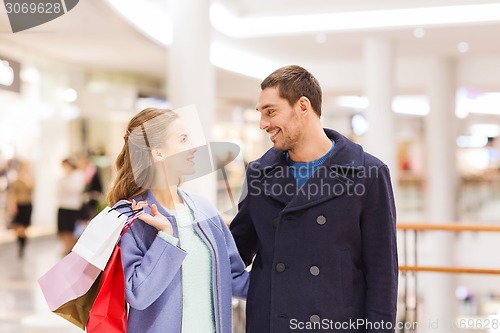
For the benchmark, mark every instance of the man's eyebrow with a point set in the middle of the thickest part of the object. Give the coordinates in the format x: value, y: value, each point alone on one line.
x: 266, y: 106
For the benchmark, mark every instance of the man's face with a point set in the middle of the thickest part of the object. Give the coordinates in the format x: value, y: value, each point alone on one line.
x: 279, y: 119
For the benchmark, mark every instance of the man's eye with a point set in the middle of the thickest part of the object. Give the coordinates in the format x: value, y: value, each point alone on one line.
x: 270, y: 112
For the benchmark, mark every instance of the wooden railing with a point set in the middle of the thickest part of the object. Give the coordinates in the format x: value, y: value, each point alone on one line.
x: 445, y: 227
x: 410, y: 310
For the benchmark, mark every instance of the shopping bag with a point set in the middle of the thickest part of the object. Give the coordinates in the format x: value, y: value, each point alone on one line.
x: 102, y: 233
x: 69, y: 279
x: 108, y: 314
x: 77, y: 310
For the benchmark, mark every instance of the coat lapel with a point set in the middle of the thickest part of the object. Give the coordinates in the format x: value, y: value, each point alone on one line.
x: 332, y: 179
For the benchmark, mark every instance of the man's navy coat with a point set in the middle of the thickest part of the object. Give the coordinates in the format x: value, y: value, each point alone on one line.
x: 325, y: 253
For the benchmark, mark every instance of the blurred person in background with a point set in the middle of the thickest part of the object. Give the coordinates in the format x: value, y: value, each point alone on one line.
x: 319, y: 218
x: 70, y: 192
x: 180, y: 262
x: 20, y: 204
x: 92, y: 193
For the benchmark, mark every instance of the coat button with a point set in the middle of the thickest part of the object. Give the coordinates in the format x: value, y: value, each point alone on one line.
x: 321, y: 220
x: 314, y: 318
x: 280, y: 268
x: 314, y: 270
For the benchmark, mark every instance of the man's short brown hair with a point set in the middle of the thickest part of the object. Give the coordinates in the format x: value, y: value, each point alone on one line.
x: 293, y: 82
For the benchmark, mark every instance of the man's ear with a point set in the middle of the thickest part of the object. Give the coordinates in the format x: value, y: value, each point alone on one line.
x: 304, y: 104
x: 157, y: 154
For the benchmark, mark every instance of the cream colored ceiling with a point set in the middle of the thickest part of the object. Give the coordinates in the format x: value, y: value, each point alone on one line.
x: 94, y: 36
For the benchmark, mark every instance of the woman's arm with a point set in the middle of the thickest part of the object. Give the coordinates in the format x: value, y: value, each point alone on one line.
x: 240, y: 277
x: 148, y: 272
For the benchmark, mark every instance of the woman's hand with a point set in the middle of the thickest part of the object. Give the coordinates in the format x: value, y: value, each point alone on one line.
x: 160, y: 222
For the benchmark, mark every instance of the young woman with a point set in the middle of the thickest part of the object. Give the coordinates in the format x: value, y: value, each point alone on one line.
x: 71, y: 187
x: 20, y: 206
x: 180, y: 261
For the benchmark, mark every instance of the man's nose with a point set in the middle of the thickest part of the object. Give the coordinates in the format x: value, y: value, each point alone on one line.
x: 264, y: 123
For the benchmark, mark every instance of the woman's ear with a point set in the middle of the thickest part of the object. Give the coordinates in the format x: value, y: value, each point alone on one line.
x: 157, y: 154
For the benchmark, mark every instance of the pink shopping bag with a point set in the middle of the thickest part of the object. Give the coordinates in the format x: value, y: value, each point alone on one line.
x: 69, y: 279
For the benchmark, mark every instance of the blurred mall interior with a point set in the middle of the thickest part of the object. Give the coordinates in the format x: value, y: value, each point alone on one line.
x: 417, y: 83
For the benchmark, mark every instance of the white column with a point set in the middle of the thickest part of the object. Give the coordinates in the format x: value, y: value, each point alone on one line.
x: 437, y: 248
x: 380, y: 139
x: 53, y: 146
x: 190, y: 75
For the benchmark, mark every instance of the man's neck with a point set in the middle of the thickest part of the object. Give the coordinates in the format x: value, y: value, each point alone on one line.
x: 314, y: 145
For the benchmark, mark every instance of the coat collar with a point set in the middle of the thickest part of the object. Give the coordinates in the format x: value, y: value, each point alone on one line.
x: 346, y: 159
x: 151, y: 199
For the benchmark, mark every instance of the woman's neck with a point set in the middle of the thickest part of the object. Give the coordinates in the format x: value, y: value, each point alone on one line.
x: 168, y: 198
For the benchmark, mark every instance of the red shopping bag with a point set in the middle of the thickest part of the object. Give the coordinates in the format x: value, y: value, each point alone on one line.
x: 108, y: 314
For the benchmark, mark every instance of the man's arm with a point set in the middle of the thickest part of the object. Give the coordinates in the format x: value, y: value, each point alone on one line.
x: 378, y: 227
x: 243, y: 230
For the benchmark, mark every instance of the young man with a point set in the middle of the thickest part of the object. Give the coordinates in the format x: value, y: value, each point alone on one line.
x: 319, y: 218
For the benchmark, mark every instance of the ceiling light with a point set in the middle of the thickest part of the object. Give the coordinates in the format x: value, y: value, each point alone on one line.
x: 30, y: 75
x: 411, y: 104
x: 485, y: 103
x: 359, y: 124
x: 70, y: 95
x: 320, y: 38
x: 472, y: 141
x: 488, y: 130
x: 234, y: 60
x: 419, y: 32
x: 463, y: 47
x: 240, y: 27
x: 147, y: 16
x: 354, y: 102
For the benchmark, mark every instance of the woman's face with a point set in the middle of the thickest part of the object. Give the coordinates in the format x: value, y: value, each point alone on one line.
x: 179, y: 150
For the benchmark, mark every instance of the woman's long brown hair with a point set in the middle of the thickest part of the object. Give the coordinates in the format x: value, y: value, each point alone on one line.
x: 134, y: 164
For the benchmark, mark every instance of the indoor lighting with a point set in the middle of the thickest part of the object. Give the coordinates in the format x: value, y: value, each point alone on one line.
x: 359, y: 124
x: 320, y: 38
x: 147, y: 17
x: 463, y: 47
x: 354, y: 102
x: 419, y: 32
x: 472, y: 141
x: 411, y: 105
x: 70, y: 95
x: 488, y: 130
x: 234, y: 60
x: 30, y: 75
x: 240, y: 27
x: 485, y: 103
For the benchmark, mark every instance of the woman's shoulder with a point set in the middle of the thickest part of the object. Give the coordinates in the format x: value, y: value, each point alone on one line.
x: 200, y: 203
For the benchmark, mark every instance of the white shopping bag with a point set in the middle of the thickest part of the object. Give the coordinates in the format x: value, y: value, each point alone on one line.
x: 100, y: 237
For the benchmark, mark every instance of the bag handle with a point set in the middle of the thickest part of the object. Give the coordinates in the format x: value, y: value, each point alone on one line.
x: 132, y: 215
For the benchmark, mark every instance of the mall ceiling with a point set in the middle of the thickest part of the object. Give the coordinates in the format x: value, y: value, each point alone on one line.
x: 95, y: 36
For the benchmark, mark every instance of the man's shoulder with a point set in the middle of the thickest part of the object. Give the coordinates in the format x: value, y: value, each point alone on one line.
x: 372, y: 161
x: 269, y: 158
